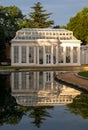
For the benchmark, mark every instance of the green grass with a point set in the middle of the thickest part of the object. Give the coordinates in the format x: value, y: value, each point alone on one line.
x: 83, y: 73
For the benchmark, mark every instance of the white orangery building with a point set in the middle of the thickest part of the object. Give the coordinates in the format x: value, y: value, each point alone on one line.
x: 45, y: 46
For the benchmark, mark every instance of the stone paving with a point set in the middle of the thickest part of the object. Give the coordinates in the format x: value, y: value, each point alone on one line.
x: 72, y: 78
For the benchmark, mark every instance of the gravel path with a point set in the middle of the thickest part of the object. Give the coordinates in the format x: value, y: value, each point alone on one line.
x: 73, y: 79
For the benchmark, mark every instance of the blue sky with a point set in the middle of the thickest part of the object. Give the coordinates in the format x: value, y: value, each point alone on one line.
x: 62, y: 10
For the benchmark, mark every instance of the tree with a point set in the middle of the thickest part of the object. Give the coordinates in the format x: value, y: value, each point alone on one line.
x: 79, y: 25
x: 38, y: 18
x: 39, y: 114
x: 25, y: 23
x: 57, y: 26
x: 10, y: 20
x: 79, y: 106
x: 2, y: 35
x: 9, y: 23
x: 2, y: 43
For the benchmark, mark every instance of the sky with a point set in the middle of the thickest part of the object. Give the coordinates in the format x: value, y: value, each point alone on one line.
x: 62, y: 10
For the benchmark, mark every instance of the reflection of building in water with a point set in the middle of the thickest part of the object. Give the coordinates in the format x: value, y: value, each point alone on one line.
x: 40, y: 88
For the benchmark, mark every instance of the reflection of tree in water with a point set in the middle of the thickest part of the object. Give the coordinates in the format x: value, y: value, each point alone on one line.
x: 9, y: 112
x: 39, y: 114
x: 80, y: 105
x: 12, y: 113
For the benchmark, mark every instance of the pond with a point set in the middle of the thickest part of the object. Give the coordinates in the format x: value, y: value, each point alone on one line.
x: 35, y: 100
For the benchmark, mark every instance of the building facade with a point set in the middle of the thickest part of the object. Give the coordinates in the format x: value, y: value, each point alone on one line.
x: 84, y: 54
x: 45, y: 47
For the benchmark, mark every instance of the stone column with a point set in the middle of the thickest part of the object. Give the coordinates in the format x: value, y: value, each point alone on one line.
x: 44, y: 74
x: 82, y: 55
x: 71, y: 54
x: 37, y: 55
x: 64, y: 53
x: 37, y: 80
x: 78, y: 55
x: 57, y: 55
x: 27, y: 81
x: 51, y: 73
x: 34, y: 54
x: 20, y: 80
x: 20, y: 55
x: 44, y: 56
x: 51, y: 54
x: 27, y: 49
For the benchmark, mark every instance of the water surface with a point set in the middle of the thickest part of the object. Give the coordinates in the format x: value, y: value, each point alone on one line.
x: 34, y: 100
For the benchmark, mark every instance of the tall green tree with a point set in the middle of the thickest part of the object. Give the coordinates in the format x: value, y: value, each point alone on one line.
x: 2, y: 43
x: 39, y: 114
x: 79, y: 25
x: 39, y: 18
x: 25, y: 23
x: 11, y: 21
x: 2, y: 35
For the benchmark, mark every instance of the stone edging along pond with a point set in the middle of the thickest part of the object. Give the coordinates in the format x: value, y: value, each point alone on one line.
x: 73, y: 80
x: 81, y: 76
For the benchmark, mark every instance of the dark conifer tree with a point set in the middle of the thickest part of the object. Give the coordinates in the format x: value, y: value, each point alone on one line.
x: 39, y: 18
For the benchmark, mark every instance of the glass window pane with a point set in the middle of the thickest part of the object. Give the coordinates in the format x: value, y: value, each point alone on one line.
x: 54, y: 54
x: 48, y: 49
x: 68, y: 52
x: 23, y: 54
x: 31, y: 54
x: 40, y: 55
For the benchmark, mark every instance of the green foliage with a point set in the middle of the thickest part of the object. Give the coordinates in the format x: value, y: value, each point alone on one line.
x: 36, y: 19
x: 39, y: 114
x: 80, y: 106
x: 9, y: 23
x: 12, y: 113
x: 39, y: 18
x: 25, y: 23
x: 2, y: 43
x: 79, y: 25
x: 57, y: 26
x: 10, y: 20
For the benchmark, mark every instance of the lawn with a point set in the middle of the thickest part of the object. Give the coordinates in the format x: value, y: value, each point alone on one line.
x: 83, y: 73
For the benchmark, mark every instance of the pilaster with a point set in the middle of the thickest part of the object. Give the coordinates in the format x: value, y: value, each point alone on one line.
x: 51, y: 54
x: 57, y: 58
x: 20, y: 54
x: 27, y: 49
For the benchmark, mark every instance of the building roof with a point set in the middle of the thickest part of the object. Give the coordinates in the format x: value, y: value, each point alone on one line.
x: 44, y: 33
